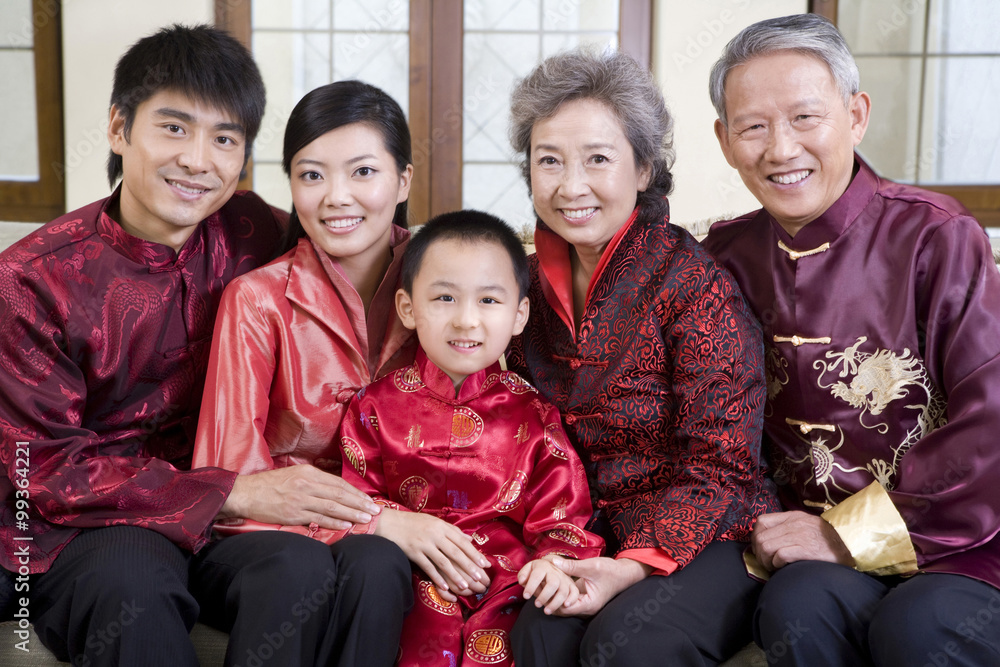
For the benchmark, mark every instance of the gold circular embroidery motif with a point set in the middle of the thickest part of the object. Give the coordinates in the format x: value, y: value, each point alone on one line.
x: 407, y: 379
x: 510, y: 492
x: 414, y: 492
x: 466, y: 427
x: 555, y: 440
x: 504, y: 562
x: 429, y: 595
x: 568, y: 533
x: 353, y: 454
x: 487, y: 646
x: 516, y: 384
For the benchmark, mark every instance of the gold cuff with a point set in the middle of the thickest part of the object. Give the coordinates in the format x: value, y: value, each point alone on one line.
x: 753, y: 566
x: 874, y: 532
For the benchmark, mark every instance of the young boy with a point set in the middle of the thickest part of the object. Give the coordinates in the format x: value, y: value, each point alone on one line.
x: 456, y: 436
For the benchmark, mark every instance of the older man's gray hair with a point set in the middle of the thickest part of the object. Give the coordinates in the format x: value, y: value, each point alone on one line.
x: 809, y: 34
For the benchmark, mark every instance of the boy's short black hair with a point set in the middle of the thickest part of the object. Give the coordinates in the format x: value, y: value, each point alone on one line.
x: 203, y: 62
x: 468, y: 226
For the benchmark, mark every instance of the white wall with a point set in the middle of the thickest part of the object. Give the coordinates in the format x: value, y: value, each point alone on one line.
x: 95, y: 33
x: 688, y: 39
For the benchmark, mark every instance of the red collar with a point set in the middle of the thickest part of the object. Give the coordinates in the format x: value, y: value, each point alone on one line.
x: 441, y: 384
x: 556, y: 274
x: 156, y: 256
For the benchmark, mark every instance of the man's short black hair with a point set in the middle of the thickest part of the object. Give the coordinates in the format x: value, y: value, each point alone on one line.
x: 468, y: 226
x: 200, y: 61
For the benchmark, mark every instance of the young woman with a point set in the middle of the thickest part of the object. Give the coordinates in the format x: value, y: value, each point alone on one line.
x: 296, y: 339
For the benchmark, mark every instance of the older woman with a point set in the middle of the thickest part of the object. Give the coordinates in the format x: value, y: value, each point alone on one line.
x: 647, y: 347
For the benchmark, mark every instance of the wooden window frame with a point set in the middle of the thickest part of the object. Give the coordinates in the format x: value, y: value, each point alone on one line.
x: 983, y: 201
x: 44, y: 199
x: 436, y: 38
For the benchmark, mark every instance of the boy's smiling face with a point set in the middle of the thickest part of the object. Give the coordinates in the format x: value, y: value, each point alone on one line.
x: 465, y: 306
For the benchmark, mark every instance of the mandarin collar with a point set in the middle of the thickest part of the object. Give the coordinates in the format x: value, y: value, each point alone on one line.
x: 438, y: 382
x: 335, y: 272
x: 556, y: 272
x: 157, y: 256
x: 835, y: 220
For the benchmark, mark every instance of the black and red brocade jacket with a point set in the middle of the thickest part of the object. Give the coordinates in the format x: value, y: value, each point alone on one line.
x: 104, y: 340
x: 661, y: 390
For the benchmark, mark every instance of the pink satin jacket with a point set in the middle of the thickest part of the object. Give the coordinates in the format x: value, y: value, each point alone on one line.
x: 292, y: 346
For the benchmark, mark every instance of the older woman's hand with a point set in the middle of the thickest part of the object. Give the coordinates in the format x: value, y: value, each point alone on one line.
x: 599, y: 580
x: 551, y: 587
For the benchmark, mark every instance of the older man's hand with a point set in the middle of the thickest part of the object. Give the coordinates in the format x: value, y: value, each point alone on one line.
x: 785, y: 537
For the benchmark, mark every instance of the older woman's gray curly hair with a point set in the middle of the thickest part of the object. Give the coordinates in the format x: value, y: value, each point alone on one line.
x: 620, y: 83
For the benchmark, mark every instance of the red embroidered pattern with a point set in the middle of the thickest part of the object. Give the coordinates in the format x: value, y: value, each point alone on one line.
x: 661, y: 393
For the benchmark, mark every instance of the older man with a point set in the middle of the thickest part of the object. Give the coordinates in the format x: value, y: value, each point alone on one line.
x: 881, y: 307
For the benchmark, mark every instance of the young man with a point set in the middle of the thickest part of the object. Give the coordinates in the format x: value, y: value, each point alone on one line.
x: 108, y: 317
x: 881, y: 308
x: 459, y: 448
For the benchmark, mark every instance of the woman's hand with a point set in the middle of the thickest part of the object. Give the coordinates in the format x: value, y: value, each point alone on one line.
x: 441, y: 550
x: 298, y: 496
x: 551, y: 587
x: 599, y: 580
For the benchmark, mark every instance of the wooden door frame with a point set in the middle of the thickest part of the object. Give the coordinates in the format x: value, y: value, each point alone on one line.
x: 44, y: 199
x: 983, y: 201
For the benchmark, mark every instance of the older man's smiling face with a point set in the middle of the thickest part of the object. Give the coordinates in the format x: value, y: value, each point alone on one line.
x: 790, y: 135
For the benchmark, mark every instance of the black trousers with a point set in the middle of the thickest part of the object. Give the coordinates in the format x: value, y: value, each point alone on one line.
x: 699, y: 615
x: 813, y: 613
x: 126, y: 596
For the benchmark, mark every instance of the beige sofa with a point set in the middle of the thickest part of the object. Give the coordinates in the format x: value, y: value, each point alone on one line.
x: 210, y: 645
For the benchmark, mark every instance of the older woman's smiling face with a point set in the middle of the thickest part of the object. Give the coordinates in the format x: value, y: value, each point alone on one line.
x: 584, y: 179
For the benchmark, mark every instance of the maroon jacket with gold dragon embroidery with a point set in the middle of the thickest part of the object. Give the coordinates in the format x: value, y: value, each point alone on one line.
x: 882, y: 319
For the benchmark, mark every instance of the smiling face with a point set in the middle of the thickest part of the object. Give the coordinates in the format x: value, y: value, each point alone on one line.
x: 345, y: 187
x: 584, y: 179
x: 180, y: 163
x: 790, y: 135
x: 464, y: 306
